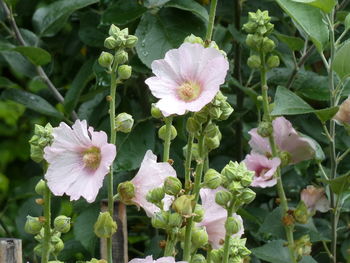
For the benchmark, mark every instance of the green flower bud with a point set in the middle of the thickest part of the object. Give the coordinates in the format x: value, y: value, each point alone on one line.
x: 273, y: 61
x: 105, y: 60
x: 131, y: 41
x: 62, y: 224
x: 212, y: 130
x: 301, y: 214
x: 124, y: 72
x: 226, y: 111
x: 156, y: 195
x: 162, y: 133
x: 212, y: 143
x: 40, y: 187
x: 246, y: 181
x: 193, y: 39
x: 183, y: 205
x: 38, y: 250
x: 254, y: 62
x: 215, y: 113
x: 202, y: 115
x: 155, y: 112
x: 114, y: 30
x: 198, y: 258
x: 172, y: 185
x: 285, y: 158
x: 216, y: 255
x: 195, y: 153
x: 105, y: 227
x: 212, y: 179
x: 58, y: 247
x: 126, y: 191
x: 110, y: 43
x: 199, y: 213
x: 199, y: 237
x: 235, y: 187
x: 33, y: 225
x: 42, y: 137
x: 160, y: 220
x: 250, y: 27
x: 124, y: 122
x: 223, y: 197
x: 124, y: 32
x: 232, y: 226
x: 175, y: 220
x: 247, y: 196
x: 192, y: 125
x: 121, y: 57
x: 265, y: 129
x: 250, y: 41
x: 94, y: 260
x: 213, y: 44
x: 268, y: 45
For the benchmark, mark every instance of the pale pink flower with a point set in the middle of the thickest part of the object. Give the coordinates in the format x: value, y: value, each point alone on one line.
x: 149, y: 259
x: 343, y: 114
x: 187, y: 78
x: 264, y: 169
x: 79, y: 158
x: 315, y: 199
x: 287, y: 139
x: 151, y: 175
x: 215, y: 217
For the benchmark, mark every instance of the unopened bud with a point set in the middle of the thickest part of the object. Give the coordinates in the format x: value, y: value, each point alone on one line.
x: 33, y: 225
x: 223, y: 197
x: 285, y: 158
x: 155, y: 112
x: 124, y: 122
x: 175, y: 220
x: 124, y: 72
x: 216, y: 255
x: 183, y: 205
x: 105, y: 227
x: 156, y: 195
x: 131, y: 41
x: 121, y: 57
x: 172, y: 185
x: 38, y: 250
x: 273, y: 61
x: 265, y: 129
x: 126, y: 191
x: 247, y: 196
x: 110, y: 43
x: 193, y: 40
x: 199, y: 237
x: 212, y: 143
x: 235, y: 187
x: 215, y: 113
x: 62, y: 224
x: 58, y: 246
x: 226, y: 111
x: 192, y: 125
x: 232, y: 226
x: 212, y: 179
x: 199, y: 213
x: 114, y: 30
x: 40, y: 187
x: 105, y: 60
x: 268, y: 45
x: 254, y: 62
x: 160, y: 220
x: 198, y: 258
x: 162, y: 133
x: 301, y: 213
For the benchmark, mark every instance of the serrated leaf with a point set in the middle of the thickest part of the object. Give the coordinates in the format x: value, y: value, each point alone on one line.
x: 35, y: 55
x: 341, y: 63
x: 123, y: 12
x: 191, y: 6
x: 325, y: 5
x: 275, y: 252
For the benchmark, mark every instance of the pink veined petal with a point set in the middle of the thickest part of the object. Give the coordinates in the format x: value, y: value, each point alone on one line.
x: 64, y: 138
x: 161, y: 88
x: 163, y: 70
x: 81, y: 132
x: 258, y: 143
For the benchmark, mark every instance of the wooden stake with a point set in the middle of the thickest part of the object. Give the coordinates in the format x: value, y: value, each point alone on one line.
x: 10, y: 250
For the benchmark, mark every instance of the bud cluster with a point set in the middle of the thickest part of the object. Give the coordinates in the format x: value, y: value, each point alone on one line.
x: 42, y: 137
x: 237, y: 252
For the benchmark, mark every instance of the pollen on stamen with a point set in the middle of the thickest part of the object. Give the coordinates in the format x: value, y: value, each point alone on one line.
x: 92, y: 158
x: 189, y: 91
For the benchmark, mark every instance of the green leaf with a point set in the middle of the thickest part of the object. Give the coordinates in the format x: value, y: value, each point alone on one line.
x: 89, y: 33
x: 341, y: 63
x: 276, y: 252
x: 326, y: 114
x: 272, y: 224
x: 325, y: 5
x: 48, y: 20
x: 307, y: 259
x: 294, y: 43
x: 36, y: 55
x: 191, y: 6
x: 339, y: 184
x: 84, y: 75
x: 310, y: 20
x: 32, y: 101
x: 163, y: 31
x: 19, y: 63
x: 123, y: 12
x: 347, y: 22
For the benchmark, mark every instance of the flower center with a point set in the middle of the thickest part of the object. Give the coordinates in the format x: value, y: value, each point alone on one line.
x: 189, y: 91
x: 262, y: 172
x: 92, y: 157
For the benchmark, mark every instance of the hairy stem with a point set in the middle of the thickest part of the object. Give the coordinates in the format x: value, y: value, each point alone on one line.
x: 45, y: 256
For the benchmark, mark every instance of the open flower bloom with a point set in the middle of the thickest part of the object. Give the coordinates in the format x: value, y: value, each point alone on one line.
x: 264, y: 169
x: 343, y: 114
x: 287, y: 139
x: 79, y: 158
x: 149, y: 259
x: 187, y: 78
x: 151, y: 175
x: 215, y: 217
x: 315, y: 199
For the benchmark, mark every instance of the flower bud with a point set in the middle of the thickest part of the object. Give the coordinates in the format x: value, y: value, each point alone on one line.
x: 301, y: 214
x: 124, y: 72
x: 273, y: 61
x: 175, y: 220
x: 113, y: 30
x: 250, y: 41
x: 199, y: 213
x: 156, y: 195
x: 42, y: 137
x: 155, y: 112
x: 254, y: 62
x: 183, y: 205
x: 131, y: 41
x: 215, y: 113
x: 198, y: 258
x: 265, y: 129
x: 212, y: 143
x: 193, y: 40
x: 268, y: 45
x: 62, y: 224
x: 58, y: 246
x: 212, y: 179
x: 94, y: 260
x: 105, y: 227
x: 105, y: 60
x: 40, y: 187
x: 110, y: 43
x: 199, y: 237
x: 121, y: 57
x: 192, y: 125
x: 285, y: 158
x: 124, y: 32
x: 124, y: 122
x: 226, y: 111
x: 235, y: 187
x: 247, y: 196
x: 216, y: 255
x: 126, y: 191
x: 172, y: 185
x: 38, y: 250
x: 223, y: 197
x: 232, y: 226
x: 33, y: 225
x: 246, y: 181
x: 162, y: 133
x: 160, y: 220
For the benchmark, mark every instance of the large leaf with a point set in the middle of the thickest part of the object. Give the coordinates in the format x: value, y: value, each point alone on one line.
x: 31, y: 101
x: 123, y: 12
x: 163, y: 31
x: 190, y: 5
x: 340, y: 184
x: 48, y: 20
x: 273, y: 225
x: 36, y: 55
x: 324, y: 5
x: 275, y: 252
x: 89, y: 33
x: 19, y: 63
x: 310, y: 20
x: 294, y: 43
x: 341, y: 63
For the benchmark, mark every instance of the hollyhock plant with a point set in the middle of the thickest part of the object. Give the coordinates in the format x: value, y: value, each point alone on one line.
x: 149, y: 259
x: 79, y: 158
x: 264, y: 169
x: 315, y: 199
x: 287, y: 139
x: 151, y: 175
x: 215, y: 217
x: 187, y: 78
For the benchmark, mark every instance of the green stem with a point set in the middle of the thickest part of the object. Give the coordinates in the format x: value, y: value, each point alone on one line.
x: 212, y: 12
x: 170, y: 246
x: 45, y: 256
x: 188, y: 162
x: 209, y: 254
x: 227, y: 237
x: 167, y: 141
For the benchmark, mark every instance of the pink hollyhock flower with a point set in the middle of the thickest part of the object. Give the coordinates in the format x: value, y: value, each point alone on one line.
x: 264, y: 169
x: 315, y: 199
x: 149, y: 259
x: 215, y: 217
x: 187, y: 78
x: 287, y: 139
x: 79, y: 158
x: 151, y: 175
x: 343, y: 114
